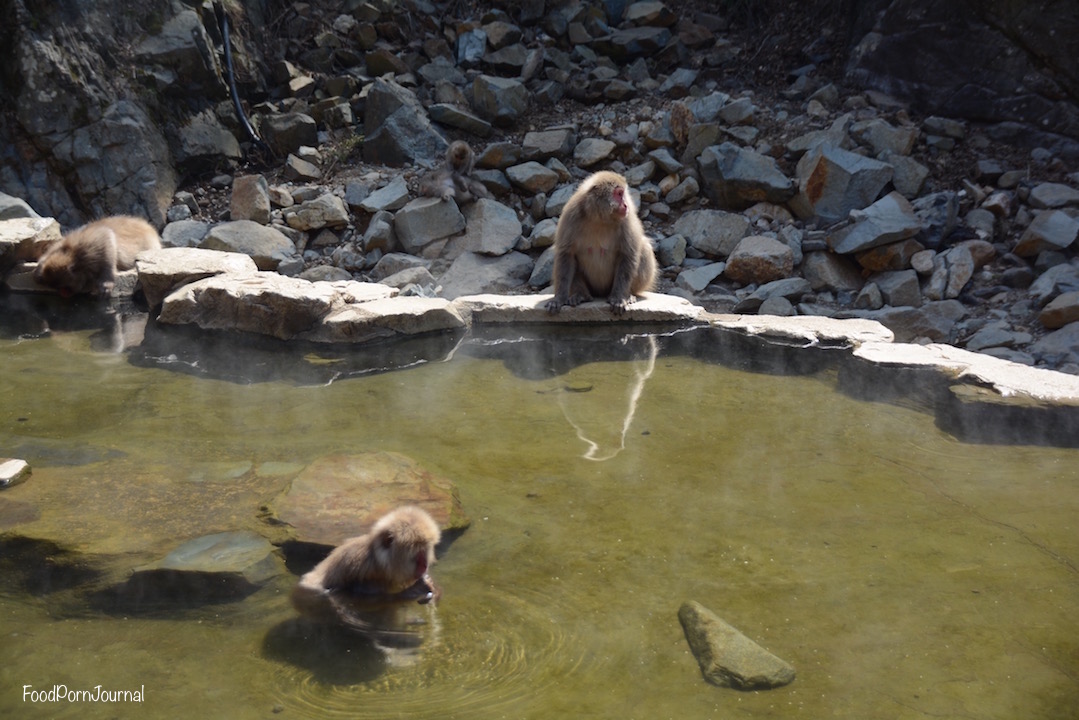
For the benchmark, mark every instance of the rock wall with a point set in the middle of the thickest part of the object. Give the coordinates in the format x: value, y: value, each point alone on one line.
x: 1011, y: 63
x: 96, y: 97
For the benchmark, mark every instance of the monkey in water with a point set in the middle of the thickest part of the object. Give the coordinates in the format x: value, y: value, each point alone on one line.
x: 454, y: 179
x: 389, y: 563
x: 600, y: 248
x: 86, y: 260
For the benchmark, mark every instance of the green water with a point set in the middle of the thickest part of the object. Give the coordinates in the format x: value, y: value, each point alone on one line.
x: 902, y: 573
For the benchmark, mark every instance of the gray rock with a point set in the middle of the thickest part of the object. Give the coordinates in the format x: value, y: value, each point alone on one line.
x: 13, y: 207
x: 728, y: 658
x: 543, y: 270
x: 425, y: 220
x: 380, y: 234
x: 888, y: 220
x: 471, y: 274
x: 828, y: 271
x: 789, y: 289
x: 1050, y: 230
x: 532, y: 177
x: 737, y: 178
x: 325, y: 211
x: 696, y: 279
x: 543, y: 144
x: 882, y: 137
x: 298, y: 169
x: 738, y: 112
x: 996, y: 336
x: 938, y: 214
x: 626, y: 44
x: 833, y: 181
x: 399, y: 131
x: 392, y: 196
x: 671, y: 250
x: 542, y: 235
x: 212, y: 568
x: 933, y: 321
x: 325, y: 273
x: 184, y: 233
x: 1054, y: 281
x: 395, y: 262
x: 417, y: 275
x: 491, y: 228
x: 759, y: 259
x: 184, y: 51
x: 500, y: 100
x: 909, y: 175
x: 386, y: 318
x: 265, y: 245
x: 869, y: 298
x: 899, y: 288
x: 1053, y: 195
x: 453, y: 116
x: 250, y: 199
x: 713, y: 232
x: 590, y: 151
x: 162, y: 271
x: 26, y: 238
x: 286, y: 132
x: 263, y: 303
x: 204, y: 139
x: 1059, y: 347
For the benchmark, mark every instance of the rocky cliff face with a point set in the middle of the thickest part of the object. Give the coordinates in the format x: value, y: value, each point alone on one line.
x: 1010, y: 64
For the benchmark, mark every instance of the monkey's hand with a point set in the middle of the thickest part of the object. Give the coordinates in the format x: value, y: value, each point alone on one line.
x: 619, y: 305
x: 553, y: 306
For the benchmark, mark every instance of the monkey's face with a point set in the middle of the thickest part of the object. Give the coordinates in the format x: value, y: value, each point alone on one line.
x: 56, y: 270
x: 405, y: 560
x: 619, y: 202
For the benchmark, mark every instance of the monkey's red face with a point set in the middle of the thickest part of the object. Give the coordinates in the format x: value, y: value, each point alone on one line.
x: 618, y: 202
x: 421, y: 564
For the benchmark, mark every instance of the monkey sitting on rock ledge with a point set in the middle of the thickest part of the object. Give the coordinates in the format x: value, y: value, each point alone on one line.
x: 600, y: 249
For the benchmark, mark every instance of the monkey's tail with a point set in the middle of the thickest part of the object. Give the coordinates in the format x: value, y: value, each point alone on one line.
x: 223, y: 23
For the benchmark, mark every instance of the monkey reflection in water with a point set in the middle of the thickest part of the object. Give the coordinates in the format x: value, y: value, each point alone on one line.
x: 600, y: 398
x: 365, y: 596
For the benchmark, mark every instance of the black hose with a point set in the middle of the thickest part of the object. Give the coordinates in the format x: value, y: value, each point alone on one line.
x: 223, y: 23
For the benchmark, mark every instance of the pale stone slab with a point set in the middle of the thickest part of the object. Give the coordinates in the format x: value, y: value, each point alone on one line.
x: 810, y: 329
x: 651, y: 307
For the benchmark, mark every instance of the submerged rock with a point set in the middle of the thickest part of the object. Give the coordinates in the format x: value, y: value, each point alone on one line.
x: 726, y: 656
x: 341, y: 496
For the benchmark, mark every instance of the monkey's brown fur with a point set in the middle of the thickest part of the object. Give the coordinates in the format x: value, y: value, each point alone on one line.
x: 454, y: 178
x: 86, y: 260
x: 600, y: 249
x: 388, y: 560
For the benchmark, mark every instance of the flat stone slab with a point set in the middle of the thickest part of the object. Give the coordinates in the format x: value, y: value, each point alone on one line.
x: 387, y: 317
x: 213, y: 568
x: 341, y: 496
x: 1006, y: 378
x: 162, y: 271
x: 651, y: 307
x: 728, y: 658
x: 810, y: 329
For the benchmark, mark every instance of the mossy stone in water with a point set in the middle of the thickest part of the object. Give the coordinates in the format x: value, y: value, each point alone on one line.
x: 726, y: 656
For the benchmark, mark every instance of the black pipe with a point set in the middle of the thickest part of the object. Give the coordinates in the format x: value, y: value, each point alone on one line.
x: 223, y: 23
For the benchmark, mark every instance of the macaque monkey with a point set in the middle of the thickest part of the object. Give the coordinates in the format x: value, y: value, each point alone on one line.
x: 454, y: 178
x: 600, y: 248
x: 388, y: 563
x: 86, y: 260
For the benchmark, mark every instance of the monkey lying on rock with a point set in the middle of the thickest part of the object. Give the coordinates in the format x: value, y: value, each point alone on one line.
x: 388, y: 564
x: 85, y: 260
x: 600, y: 248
